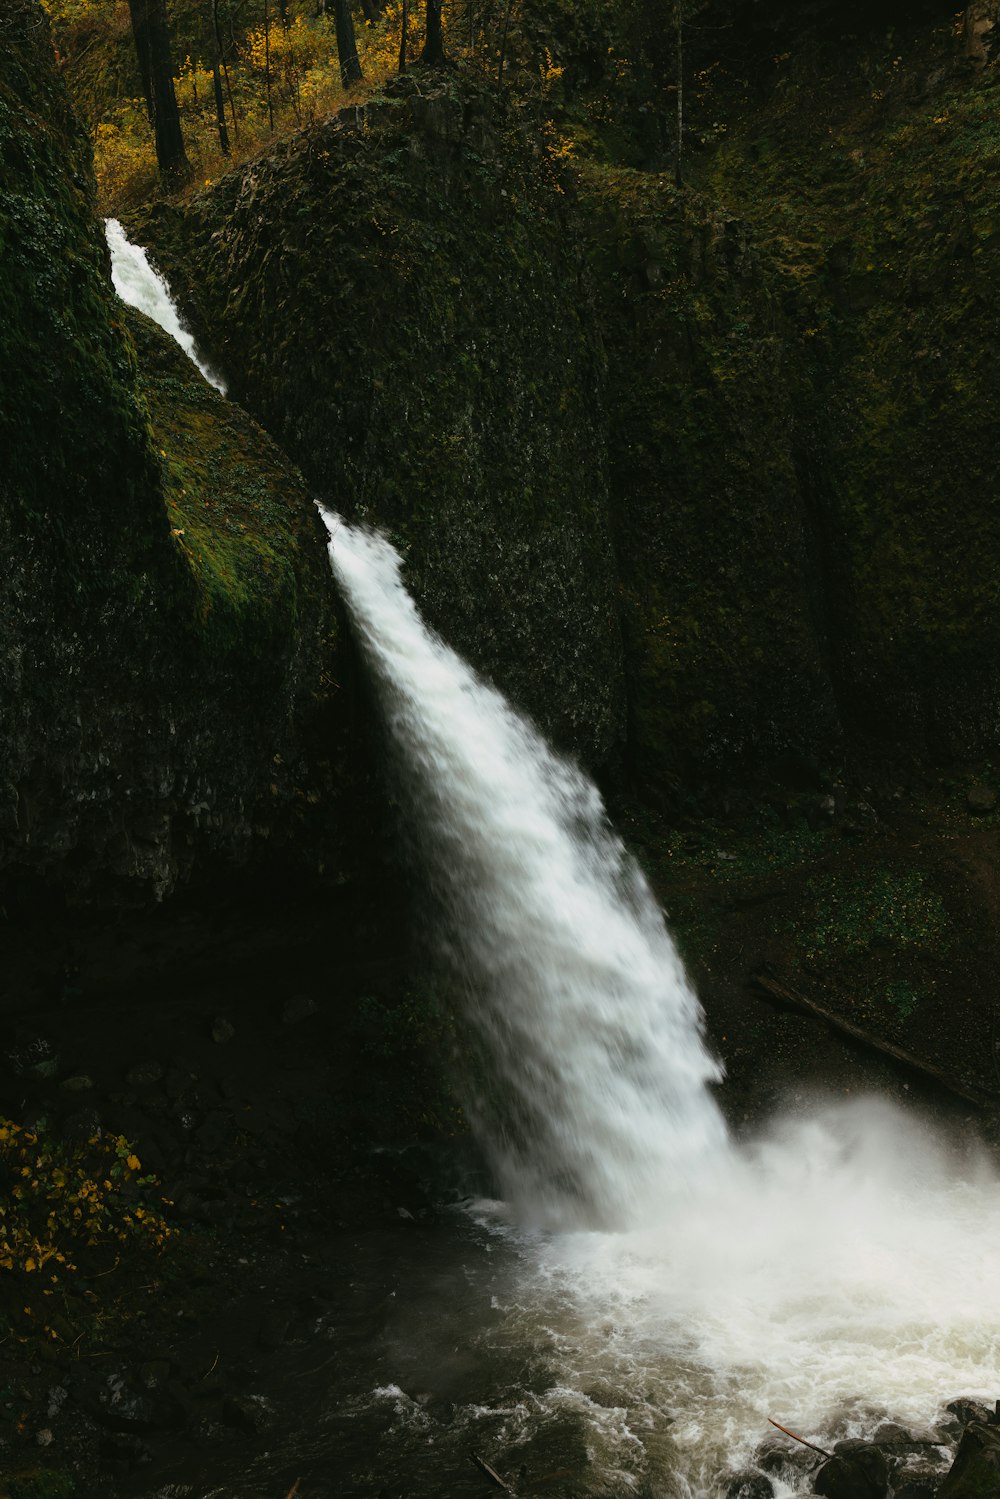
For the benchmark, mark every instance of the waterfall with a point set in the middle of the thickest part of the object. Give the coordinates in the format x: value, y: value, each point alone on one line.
x: 597, y: 1099
x: 140, y: 286
x: 838, y: 1269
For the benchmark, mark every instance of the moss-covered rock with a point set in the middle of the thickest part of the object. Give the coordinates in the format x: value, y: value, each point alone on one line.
x: 400, y: 295
x: 167, y: 608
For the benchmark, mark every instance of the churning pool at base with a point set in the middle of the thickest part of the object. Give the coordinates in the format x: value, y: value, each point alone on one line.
x: 842, y: 1271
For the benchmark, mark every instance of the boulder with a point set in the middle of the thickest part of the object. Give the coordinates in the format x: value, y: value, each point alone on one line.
x: 857, y: 1470
x: 975, y: 1473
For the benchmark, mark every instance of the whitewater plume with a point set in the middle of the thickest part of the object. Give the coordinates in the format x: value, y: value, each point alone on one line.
x: 140, y: 286
x: 592, y: 1032
x: 837, y: 1270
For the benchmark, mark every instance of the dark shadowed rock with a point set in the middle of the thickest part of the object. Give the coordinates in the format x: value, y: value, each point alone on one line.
x: 975, y: 1473
x: 965, y: 1410
x: 857, y: 1470
x: 920, y: 1482
x: 749, y: 1485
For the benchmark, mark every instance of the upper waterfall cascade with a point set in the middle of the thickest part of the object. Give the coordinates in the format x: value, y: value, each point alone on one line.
x: 140, y: 286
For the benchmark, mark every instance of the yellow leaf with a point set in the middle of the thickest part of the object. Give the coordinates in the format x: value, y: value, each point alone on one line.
x: 133, y: 1163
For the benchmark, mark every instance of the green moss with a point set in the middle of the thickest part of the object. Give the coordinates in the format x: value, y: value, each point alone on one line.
x: 848, y: 915
x: 399, y: 298
x: 239, y: 516
x: 40, y: 1483
x: 75, y: 456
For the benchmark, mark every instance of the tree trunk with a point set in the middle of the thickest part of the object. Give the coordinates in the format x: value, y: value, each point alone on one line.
x: 679, y: 156
x: 373, y: 10
x: 503, y: 44
x: 220, y: 62
x: 220, y: 110
x: 347, y: 47
x: 152, y: 46
x: 267, y: 65
x: 402, y: 36
x: 433, y: 53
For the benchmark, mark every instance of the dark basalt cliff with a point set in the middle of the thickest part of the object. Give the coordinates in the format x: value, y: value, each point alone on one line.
x: 167, y: 619
x: 400, y: 295
x: 722, y: 453
x: 703, y: 477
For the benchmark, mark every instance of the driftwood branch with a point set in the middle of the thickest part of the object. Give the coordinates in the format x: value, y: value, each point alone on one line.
x: 491, y: 1473
x: 821, y: 1450
x: 981, y: 1097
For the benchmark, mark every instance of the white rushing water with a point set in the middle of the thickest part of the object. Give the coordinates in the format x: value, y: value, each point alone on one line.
x: 591, y: 1031
x: 843, y: 1269
x: 140, y: 286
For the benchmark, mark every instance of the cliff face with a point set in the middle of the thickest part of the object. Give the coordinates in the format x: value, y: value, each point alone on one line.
x: 402, y: 297
x: 742, y: 428
x: 166, y: 606
x: 704, y: 476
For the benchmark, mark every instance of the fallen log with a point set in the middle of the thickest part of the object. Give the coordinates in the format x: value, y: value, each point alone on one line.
x: 491, y: 1473
x: 821, y: 1450
x: 980, y: 1097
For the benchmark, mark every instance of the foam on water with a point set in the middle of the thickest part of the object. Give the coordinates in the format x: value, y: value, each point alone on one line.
x: 140, y: 286
x: 842, y: 1269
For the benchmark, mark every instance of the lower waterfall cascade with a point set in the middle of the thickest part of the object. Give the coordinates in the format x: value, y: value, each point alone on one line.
x: 840, y: 1269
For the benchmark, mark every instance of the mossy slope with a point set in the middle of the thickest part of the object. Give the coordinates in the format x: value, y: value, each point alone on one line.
x: 400, y: 296
x: 166, y: 602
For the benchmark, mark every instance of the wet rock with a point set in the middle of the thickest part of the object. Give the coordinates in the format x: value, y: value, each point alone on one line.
x: 81, y: 1125
x: 58, y: 1395
x: 895, y: 1438
x: 298, y: 1007
x: 144, y: 1075
x: 919, y: 1482
x: 857, y: 1470
x: 79, y: 1083
x: 274, y: 1327
x: 964, y: 1409
x: 124, y: 1405
x: 213, y: 1134
x: 749, y: 1485
x: 981, y: 800
x: 252, y: 1413
x: 861, y: 818
x: 975, y: 1473
x: 125, y: 1448
x: 154, y: 1373
x: 778, y: 1458
x: 179, y: 1082
x: 33, y: 1056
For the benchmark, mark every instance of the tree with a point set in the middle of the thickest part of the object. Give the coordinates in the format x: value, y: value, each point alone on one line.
x: 402, y: 36
x: 433, y: 53
x: 151, y: 34
x: 347, y: 47
x: 679, y: 153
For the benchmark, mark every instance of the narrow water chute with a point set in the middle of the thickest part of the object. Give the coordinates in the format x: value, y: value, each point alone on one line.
x: 141, y: 287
